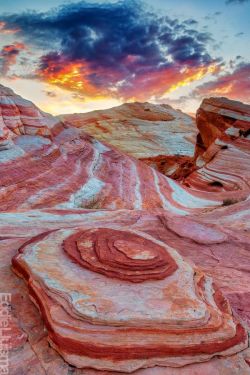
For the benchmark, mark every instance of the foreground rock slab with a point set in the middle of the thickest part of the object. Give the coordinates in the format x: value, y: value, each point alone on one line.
x: 113, y: 299
x: 203, y: 243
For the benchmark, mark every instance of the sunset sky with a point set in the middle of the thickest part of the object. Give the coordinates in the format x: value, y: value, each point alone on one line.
x: 77, y: 56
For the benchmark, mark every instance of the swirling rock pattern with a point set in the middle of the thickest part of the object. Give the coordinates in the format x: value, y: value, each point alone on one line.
x: 102, y: 313
x: 158, y: 135
x: 71, y: 170
x: 96, y: 232
x: 118, y: 254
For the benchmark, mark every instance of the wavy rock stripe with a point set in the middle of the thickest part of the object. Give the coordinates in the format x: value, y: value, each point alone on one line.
x: 227, y: 170
x: 73, y: 171
x: 104, y: 319
x: 221, y: 117
x: 21, y: 117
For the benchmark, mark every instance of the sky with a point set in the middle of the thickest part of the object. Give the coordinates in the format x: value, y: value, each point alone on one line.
x: 78, y: 56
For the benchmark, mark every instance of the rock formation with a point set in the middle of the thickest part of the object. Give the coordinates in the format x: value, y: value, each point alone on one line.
x: 73, y: 170
x: 158, y: 135
x: 223, y: 151
x: 94, y: 296
x: 131, y: 271
x: 222, y: 118
x: 118, y: 299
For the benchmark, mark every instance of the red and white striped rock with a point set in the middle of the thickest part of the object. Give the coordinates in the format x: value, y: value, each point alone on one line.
x: 19, y: 116
x: 72, y: 170
x: 78, y: 172
x: 158, y: 135
x: 132, y: 214
x: 220, y: 251
x: 222, y: 118
x: 224, y: 150
x: 119, y: 299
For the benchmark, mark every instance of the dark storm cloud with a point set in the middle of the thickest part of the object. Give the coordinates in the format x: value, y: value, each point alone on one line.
x: 111, y: 45
x: 105, y: 34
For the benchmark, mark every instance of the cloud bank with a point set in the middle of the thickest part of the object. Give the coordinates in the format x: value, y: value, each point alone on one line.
x: 114, y: 49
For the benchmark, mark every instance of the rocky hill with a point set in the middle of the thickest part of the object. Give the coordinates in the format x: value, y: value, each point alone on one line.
x: 158, y: 135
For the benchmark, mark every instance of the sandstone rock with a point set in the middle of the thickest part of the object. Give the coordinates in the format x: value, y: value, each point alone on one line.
x: 19, y: 116
x: 110, y: 246
x: 222, y: 118
x: 201, y: 243
x: 158, y: 135
x: 104, y: 292
x: 73, y: 170
x: 222, y: 166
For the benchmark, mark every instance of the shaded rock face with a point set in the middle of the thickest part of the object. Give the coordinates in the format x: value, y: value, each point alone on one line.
x: 223, y: 149
x: 158, y: 135
x: 130, y: 270
x: 222, y: 118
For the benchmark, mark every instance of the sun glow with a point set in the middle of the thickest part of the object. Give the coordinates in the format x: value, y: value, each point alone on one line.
x: 73, y: 77
x: 192, y: 76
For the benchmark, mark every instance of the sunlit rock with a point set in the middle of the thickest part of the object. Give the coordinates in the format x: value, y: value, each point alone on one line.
x: 158, y: 135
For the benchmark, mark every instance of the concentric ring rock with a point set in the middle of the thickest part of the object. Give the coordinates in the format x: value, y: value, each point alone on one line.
x: 111, y: 253
x: 104, y: 309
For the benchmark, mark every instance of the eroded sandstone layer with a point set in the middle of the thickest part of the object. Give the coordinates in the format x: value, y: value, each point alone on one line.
x: 221, y: 251
x: 128, y: 268
x: 119, y: 299
x: 222, y: 118
x: 21, y: 117
x: 72, y: 170
x: 158, y: 135
x: 223, y: 151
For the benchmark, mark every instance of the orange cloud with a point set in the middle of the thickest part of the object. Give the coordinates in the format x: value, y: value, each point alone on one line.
x: 73, y: 76
x: 235, y: 85
x: 160, y: 83
x: 101, y: 82
x: 5, y: 30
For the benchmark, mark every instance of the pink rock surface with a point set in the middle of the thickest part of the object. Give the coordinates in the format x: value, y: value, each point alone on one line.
x: 108, y: 222
x: 159, y: 226
x: 73, y: 170
x: 19, y: 116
